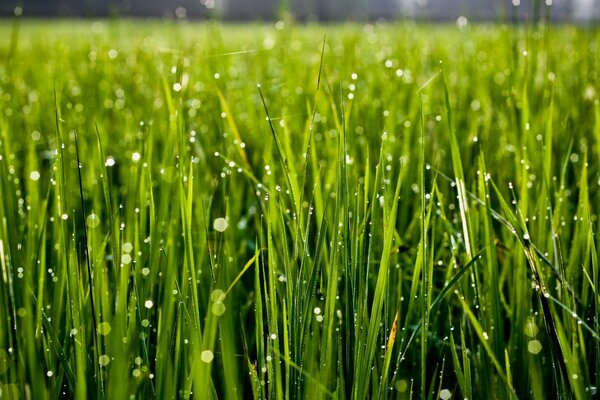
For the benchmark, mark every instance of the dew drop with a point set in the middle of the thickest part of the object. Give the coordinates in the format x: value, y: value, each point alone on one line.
x: 217, y: 295
x: 169, y: 174
x: 207, y: 356
x: 220, y: 224
x: 218, y: 309
x: 104, y: 328
x: 531, y: 329
x: 93, y: 221
x: 402, y: 386
x: 445, y: 394
x: 534, y: 346
x: 127, y: 247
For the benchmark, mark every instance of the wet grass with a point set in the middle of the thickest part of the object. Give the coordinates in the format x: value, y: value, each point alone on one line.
x: 279, y: 211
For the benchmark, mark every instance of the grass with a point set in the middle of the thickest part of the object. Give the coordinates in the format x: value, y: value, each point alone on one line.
x: 396, y: 211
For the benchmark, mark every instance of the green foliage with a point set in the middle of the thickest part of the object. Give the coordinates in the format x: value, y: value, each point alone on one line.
x: 396, y: 211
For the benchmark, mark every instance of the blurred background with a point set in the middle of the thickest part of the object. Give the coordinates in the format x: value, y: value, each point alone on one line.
x: 309, y: 10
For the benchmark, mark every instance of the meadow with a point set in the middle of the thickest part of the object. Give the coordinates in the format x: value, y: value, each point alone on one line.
x: 286, y: 211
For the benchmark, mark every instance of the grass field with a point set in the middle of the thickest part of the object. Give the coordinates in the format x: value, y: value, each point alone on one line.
x: 307, y: 212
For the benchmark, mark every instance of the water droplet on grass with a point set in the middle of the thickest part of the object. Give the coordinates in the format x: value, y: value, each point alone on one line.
x: 534, y: 346
x: 220, y: 224
x: 402, y: 386
x: 104, y: 328
x: 218, y: 309
x: 34, y: 175
x: 93, y: 221
x: 217, y: 295
x: 126, y: 259
x: 531, y: 329
x: 148, y: 304
x: 445, y: 394
x: 103, y: 360
x: 169, y: 174
x: 207, y: 356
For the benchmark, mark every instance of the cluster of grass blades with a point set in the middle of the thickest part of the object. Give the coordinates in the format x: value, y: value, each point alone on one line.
x: 396, y: 211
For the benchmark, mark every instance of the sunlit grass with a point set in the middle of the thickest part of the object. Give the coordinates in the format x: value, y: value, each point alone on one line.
x: 282, y: 211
